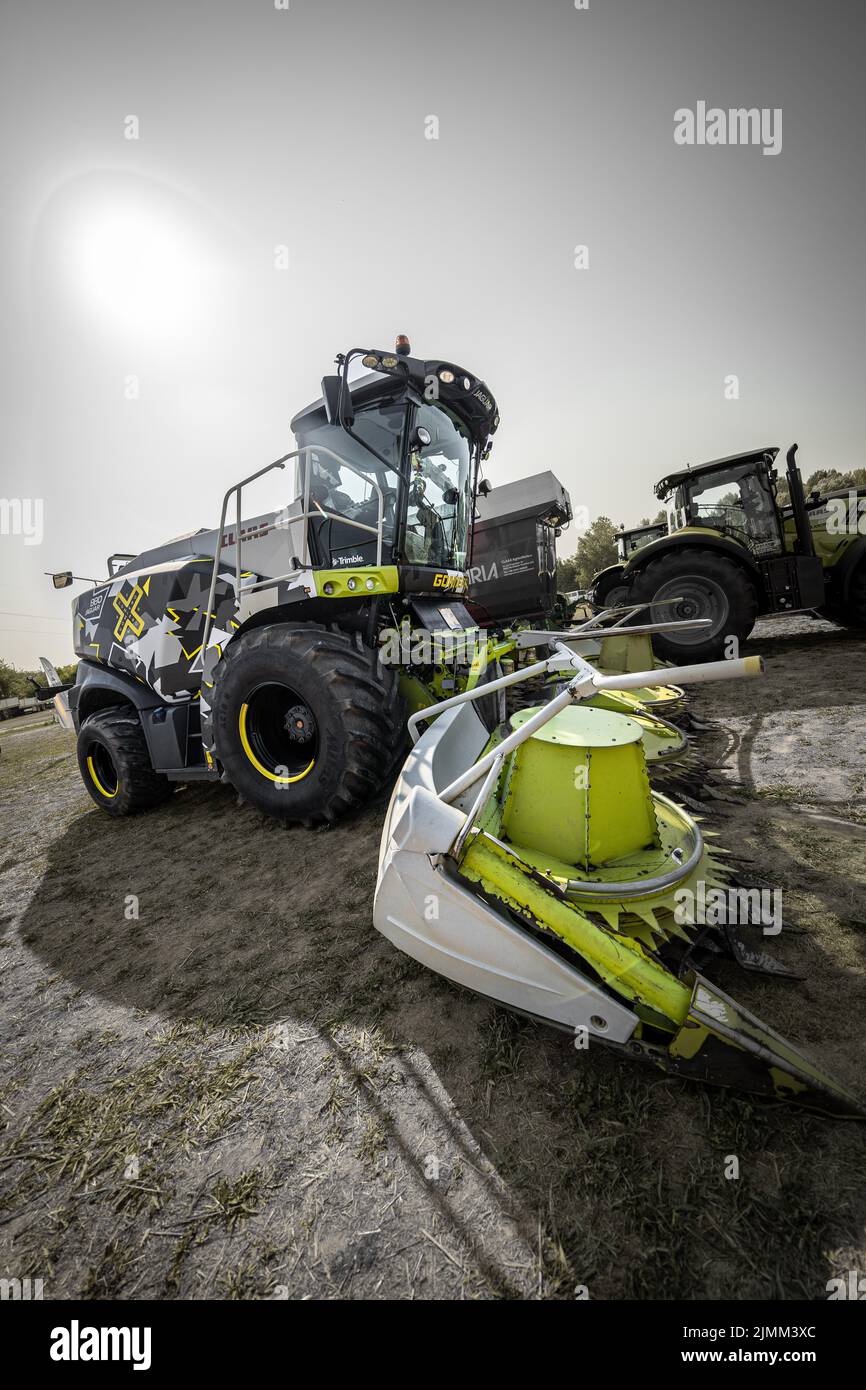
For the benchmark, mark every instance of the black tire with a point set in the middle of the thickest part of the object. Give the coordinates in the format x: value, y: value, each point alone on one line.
x: 709, y: 585
x: 611, y: 591
x: 852, y: 611
x: 307, y: 722
x: 115, y: 765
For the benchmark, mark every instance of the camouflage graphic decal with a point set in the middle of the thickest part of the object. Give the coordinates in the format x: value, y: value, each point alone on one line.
x: 151, y: 624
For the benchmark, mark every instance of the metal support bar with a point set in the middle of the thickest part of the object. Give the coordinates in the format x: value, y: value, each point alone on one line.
x: 538, y: 668
x: 539, y: 636
x: 591, y: 624
x: 468, y: 824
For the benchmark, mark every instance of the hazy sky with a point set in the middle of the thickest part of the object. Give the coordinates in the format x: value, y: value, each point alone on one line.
x: 154, y: 258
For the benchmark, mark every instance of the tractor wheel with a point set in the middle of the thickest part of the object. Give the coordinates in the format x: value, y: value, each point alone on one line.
x: 852, y: 612
x: 611, y: 592
x: 115, y: 764
x: 705, y: 585
x: 306, y: 720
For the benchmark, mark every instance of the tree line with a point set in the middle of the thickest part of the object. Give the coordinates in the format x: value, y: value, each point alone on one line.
x: 21, y: 683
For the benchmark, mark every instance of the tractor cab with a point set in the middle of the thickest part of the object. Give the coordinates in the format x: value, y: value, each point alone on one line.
x: 627, y: 542
x: 734, y: 497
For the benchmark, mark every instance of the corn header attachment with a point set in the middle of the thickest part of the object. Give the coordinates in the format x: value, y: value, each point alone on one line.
x: 539, y: 867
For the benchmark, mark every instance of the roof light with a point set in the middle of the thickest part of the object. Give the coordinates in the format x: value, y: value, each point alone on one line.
x: 446, y: 376
x: 371, y: 360
x: 390, y: 362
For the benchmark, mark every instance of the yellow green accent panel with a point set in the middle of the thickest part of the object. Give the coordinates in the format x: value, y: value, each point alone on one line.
x: 335, y: 583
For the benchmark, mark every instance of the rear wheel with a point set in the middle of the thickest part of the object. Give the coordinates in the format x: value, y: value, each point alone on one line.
x: 306, y: 720
x: 115, y: 765
x: 852, y: 611
x: 696, y: 583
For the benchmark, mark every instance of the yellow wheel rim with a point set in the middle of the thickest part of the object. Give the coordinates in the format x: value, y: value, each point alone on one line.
x: 91, y: 768
x: 259, y: 766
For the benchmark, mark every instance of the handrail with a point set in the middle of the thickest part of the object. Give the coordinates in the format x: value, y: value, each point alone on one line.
x: 304, y: 516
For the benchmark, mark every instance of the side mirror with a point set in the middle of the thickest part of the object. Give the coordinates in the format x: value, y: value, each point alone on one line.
x: 331, y: 386
x: 62, y: 580
x: 484, y: 487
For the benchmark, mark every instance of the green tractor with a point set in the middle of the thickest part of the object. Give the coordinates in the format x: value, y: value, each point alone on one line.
x: 282, y: 652
x: 734, y: 551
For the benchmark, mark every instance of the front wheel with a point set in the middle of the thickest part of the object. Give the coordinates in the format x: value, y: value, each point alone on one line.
x: 115, y: 765
x: 306, y: 720
x: 611, y: 591
x: 696, y: 583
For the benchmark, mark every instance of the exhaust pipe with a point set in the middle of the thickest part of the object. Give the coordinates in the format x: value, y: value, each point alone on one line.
x: 805, y: 543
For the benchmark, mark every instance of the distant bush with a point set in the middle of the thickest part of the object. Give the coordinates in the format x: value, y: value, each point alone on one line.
x: 21, y: 683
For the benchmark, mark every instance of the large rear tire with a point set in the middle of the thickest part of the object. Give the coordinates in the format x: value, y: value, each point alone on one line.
x: 852, y: 611
x: 706, y: 585
x: 306, y: 720
x: 115, y: 765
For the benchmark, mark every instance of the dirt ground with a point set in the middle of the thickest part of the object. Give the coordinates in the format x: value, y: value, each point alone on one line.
x: 218, y: 1080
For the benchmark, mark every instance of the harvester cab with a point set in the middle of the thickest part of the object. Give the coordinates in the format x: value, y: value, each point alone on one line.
x: 387, y: 466
x: 254, y: 651
x: 733, y: 552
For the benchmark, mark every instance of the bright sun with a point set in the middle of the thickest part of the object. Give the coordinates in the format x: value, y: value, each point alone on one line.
x: 139, y: 268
